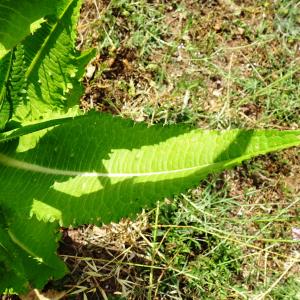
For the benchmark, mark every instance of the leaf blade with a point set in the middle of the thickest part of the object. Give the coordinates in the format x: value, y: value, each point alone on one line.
x: 128, y: 155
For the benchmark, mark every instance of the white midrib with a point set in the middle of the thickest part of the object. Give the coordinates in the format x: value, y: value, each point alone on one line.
x: 19, y: 164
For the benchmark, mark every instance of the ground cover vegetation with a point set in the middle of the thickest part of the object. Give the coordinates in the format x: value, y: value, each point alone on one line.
x: 210, y: 64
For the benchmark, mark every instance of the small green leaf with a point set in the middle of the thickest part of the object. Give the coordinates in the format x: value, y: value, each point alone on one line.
x: 5, y: 105
x: 47, y: 67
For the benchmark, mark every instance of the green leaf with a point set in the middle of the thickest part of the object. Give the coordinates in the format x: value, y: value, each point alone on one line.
x: 47, y: 67
x: 98, y: 168
x: 5, y: 105
x: 28, y: 254
x: 41, y: 76
x: 19, y: 19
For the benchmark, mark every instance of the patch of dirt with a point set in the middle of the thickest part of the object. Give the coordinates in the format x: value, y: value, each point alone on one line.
x: 107, y: 260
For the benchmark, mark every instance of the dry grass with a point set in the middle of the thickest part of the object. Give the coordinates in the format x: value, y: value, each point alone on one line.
x: 108, y: 260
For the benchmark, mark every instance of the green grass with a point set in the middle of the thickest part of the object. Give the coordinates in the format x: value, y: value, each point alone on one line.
x: 220, y: 247
x: 211, y: 65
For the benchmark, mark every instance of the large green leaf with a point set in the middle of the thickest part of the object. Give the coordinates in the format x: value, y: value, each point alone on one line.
x: 98, y: 168
x: 21, y: 18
